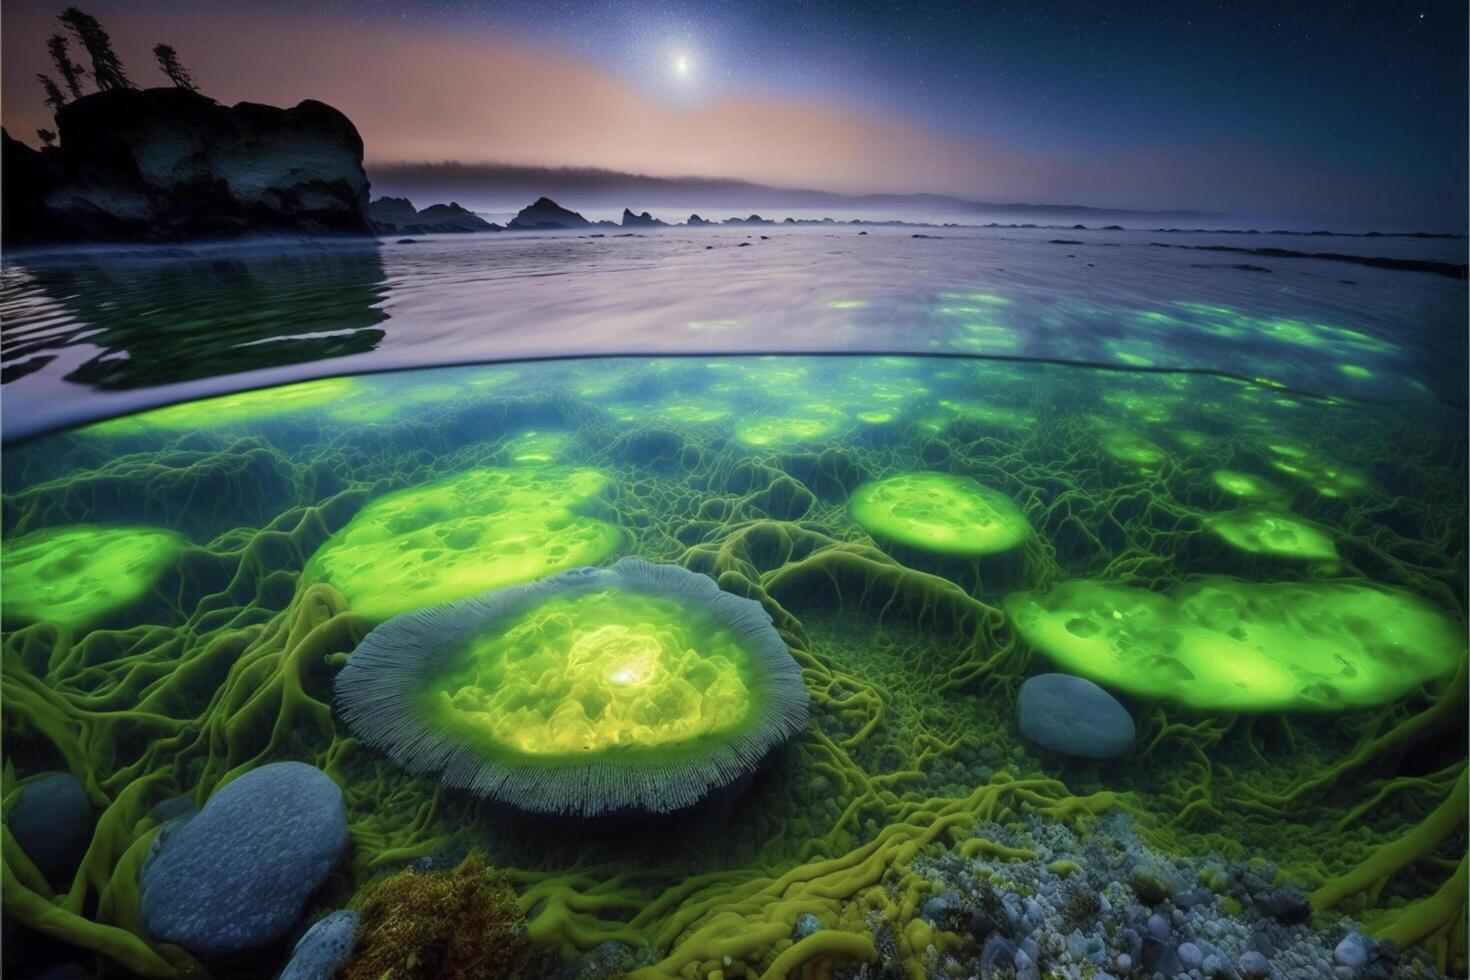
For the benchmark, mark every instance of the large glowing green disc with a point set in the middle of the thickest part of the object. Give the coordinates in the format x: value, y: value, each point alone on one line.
x: 639, y: 687
x: 244, y: 406
x: 1226, y: 644
x: 1264, y: 532
x: 460, y: 536
x: 75, y: 575
x: 937, y: 512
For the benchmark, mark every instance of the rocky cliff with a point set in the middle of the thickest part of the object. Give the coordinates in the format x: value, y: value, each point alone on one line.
x: 168, y: 164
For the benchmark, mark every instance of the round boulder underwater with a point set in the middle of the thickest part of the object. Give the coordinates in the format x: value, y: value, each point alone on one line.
x: 238, y: 874
x: 639, y: 688
x: 1073, y: 716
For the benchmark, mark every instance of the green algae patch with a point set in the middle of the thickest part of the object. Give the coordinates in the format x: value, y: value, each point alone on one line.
x: 76, y: 575
x: 243, y: 407
x: 537, y: 446
x: 639, y: 687
x: 1133, y: 449
x: 1225, y: 644
x: 462, y: 535
x: 937, y: 512
x: 1264, y: 532
x: 1244, y: 485
x: 807, y: 423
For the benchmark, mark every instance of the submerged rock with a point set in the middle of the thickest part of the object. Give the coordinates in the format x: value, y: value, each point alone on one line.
x: 1073, y: 716
x: 238, y: 875
x: 52, y: 823
x: 321, y: 952
x: 169, y: 164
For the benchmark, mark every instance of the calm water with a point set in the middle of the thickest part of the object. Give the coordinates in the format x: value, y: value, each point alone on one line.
x: 1233, y: 499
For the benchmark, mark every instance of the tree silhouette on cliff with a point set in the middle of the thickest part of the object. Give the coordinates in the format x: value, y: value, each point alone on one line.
x: 71, y: 73
x: 168, y: 63
x: 107, y: 68
x: 54, y: 98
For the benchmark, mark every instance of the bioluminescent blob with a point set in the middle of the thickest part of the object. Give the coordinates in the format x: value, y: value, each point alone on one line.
x: 1266, y: 532
x: 1133, y: 449
x: 224, y: 410
x: 639, y: 687
x: 536, y: 446
x: 941, y: 513
x: 76, y: 575
x: 1221, y: 643
x: 804, y: 424
x: 1244, y: 485
x: 477, y: 530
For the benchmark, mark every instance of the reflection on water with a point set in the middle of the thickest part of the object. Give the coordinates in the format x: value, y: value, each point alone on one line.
x: 103, y: 333
x: 148, y: 319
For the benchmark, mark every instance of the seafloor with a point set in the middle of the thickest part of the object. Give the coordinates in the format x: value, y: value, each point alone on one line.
x: 182, y: 633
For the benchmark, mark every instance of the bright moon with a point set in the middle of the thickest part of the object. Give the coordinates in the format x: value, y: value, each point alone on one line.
x: 681, y: 65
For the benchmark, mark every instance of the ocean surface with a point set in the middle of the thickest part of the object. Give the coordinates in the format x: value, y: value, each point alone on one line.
x: 1073, y: 603
x: 106, y: 331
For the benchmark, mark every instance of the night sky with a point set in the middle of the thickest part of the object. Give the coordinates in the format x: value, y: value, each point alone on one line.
x: 1339, y: 111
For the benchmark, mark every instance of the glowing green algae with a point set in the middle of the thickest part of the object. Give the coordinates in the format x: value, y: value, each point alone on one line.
x: 1127, y: 447
x: 76, y: 575
x: 1243, y: 484
x: 478, y: 530
x: 242, y: 407
x: 1263, y: 532
x: 610, y: 669
x: 940, y: 513
x: 1225, y: 644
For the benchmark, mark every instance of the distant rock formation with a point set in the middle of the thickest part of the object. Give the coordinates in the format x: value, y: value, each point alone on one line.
x: 169, y: 164
x: 644, y: 220
x: 547, y: 214
x: 754, y: 219
x: 397, y: 216
x: 695, y: 221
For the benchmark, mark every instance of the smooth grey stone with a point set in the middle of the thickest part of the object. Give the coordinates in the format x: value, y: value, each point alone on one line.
x: 321, y: 952
x: 1073, y: 716
x: 238, y: 875
x: 52, y: 822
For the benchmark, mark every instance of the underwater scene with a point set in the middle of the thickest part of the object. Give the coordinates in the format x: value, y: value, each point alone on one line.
x: 732, y: 666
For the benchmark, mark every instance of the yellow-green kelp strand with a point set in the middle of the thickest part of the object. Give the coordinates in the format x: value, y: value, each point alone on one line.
x: 1244, y: 485
x: 245, y: 406
x: 640, y: 688
x: 1264, y: 532
x: 462, y: 535
x: 1225, y: 644
x: 951, y: 515
x: 75, y: 575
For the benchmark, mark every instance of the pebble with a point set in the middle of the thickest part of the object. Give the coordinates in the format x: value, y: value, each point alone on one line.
x: 1352, y: 952
x: 321, y: 952
x: 1190, y: 956
x: 1254, y: 966
x: 52, y: 823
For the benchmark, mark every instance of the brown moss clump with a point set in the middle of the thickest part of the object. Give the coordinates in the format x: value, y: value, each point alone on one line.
x: 455, y: 924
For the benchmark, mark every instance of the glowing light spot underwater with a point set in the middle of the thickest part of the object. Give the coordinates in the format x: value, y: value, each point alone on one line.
x: 940, y: 513
x: 1225, y: 644
x: 638, y: 687
x: 461, y: 535
x: 77, y: 574
x: 1272, y: 533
